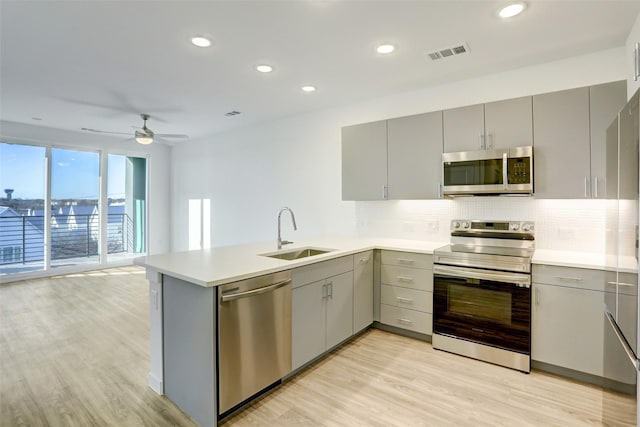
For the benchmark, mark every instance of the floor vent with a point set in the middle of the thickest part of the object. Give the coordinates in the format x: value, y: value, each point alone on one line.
x: 448, y: 51
x: 232, y: 113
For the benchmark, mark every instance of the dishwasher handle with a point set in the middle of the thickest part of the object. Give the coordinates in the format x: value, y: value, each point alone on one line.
x: 247, y: 294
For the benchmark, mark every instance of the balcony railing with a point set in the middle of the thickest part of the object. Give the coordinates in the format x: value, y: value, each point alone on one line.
x: 72, y: 236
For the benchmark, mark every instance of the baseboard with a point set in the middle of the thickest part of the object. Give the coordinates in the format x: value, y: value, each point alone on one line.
x: 155, y: 384
x: 584, y: 377
x: 403, y: 332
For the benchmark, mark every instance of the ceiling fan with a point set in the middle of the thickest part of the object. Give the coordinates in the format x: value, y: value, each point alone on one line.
x: 143, y: 135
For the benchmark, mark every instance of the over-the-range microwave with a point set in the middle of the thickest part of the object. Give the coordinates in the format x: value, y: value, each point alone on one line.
x: 486, y: 172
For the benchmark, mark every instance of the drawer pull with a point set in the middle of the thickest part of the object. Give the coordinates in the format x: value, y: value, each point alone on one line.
x: 405, y: 261
x: 404, y: 279
x: 571, y: 279
x: 364, y: 260
x: 405, y: 300
x: 407, y: 321
x: 621, y: 284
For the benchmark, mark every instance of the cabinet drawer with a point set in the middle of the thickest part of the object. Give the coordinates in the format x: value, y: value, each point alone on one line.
x: 413, y: 278
x: 406, y: 319
x: 407, y: 259
x: 407, y: 298
x: 571, y: 277
x: 321, y: 270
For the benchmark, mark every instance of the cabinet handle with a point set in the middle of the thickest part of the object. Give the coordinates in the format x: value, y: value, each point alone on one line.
x: 385, y: 192
x: 595, y: 187
x: 571, y: 279
x: 586, y: 186
x: 364, y: 260
x: 405, y: 300
x: 621, y: 284
x: 537, y: 296
x: 407, y: 321
x: 489, y: 140
x: 481, y: 140
x: 404, y: 279
x: 438, y: 191
x: 636, y: 62
x: 405, y: 261
x: 325, y: 291
x: 330, y: 290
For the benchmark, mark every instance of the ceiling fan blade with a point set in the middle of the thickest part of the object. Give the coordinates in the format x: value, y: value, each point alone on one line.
x: 104, y: 131
x: 171, y: 135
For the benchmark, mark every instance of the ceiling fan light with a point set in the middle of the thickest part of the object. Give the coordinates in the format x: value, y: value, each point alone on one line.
x: 144, y: 139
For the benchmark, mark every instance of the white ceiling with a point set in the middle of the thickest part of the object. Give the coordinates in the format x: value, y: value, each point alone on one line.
x: 98, y: 64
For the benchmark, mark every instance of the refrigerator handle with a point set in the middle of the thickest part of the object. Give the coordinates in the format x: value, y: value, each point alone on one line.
x: 627, y: 348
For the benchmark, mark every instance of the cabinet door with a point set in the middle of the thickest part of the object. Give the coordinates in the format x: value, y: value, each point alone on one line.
x: 307, y: 322
x: 628, y: 150
x: 364, y: 161
x: 509, y: 123
x: 339, y: 309
x: 362, y: 290
x: 463, y: 128
x: 414, y: 156
x: 606, y: 101
x: 561, y: 132
x: 568, y: 327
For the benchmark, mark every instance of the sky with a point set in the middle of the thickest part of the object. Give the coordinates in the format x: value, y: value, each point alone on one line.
x: 74, y: 174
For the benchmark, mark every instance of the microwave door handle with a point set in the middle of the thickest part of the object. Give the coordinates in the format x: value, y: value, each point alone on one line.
x: 505, y: 173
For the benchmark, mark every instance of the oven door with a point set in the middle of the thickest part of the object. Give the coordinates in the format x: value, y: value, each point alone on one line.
x: 474, y: 172
x: 484, y: 306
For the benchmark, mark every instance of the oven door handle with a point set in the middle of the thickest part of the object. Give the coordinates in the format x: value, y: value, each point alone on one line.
x: 472, y: 273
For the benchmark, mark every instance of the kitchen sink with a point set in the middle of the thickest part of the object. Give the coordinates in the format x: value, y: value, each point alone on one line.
x: 297, y: 253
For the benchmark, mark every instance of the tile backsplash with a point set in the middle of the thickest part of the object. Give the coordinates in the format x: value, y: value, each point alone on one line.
x: 569, y: 225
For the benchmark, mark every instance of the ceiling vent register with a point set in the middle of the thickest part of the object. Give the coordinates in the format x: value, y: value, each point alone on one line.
x: 449, y: 51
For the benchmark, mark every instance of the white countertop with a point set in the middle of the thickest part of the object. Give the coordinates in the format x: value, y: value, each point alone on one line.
x: 217, y: 266
x: 597, y: 261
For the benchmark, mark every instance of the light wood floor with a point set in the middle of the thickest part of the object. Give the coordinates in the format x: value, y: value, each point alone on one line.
x: 74, y: 351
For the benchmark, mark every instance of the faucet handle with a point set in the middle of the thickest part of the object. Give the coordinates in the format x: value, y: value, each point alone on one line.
x: 285, y: 242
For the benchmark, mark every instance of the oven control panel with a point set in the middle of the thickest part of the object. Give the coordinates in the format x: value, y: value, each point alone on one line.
x: 493, y: 226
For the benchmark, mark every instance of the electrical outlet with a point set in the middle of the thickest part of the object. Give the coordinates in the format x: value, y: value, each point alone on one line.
x: 431, y: 226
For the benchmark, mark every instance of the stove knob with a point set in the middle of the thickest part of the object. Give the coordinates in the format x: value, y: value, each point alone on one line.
x: 515, y: 227
x: 456, y: 224
x: 527, y: 227
x: 465, y: 224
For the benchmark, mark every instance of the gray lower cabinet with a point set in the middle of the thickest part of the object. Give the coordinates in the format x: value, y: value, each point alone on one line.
x: 406, y: 291
x: 364, y: 161
x: 569, y: 329
x: 362, y: 290
x: 322, y: 308
x: 414, y: 150
x: 562, y: 147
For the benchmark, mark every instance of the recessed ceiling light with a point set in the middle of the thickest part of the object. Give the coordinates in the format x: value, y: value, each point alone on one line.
x: 512, y: 9
x: 201, y: 41
x: 385, y: 49
x: 309, y: 88
x: 264, y: 68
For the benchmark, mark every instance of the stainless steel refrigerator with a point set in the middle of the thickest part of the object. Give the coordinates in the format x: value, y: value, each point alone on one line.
x: 621, y: 351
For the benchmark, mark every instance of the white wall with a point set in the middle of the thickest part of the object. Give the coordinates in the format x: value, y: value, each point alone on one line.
x: 158, y: 164
x: 249, y: 174
x: 634, y: 37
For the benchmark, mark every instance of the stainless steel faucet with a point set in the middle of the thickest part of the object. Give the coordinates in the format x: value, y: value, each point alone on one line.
x: 295, y: 227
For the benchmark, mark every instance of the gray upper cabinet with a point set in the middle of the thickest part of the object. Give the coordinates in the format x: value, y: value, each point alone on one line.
x: 500, y: 124
x: 509, y: 123
x: 364, y: 161
x: 463, y: 128
x: 605, y: 101
x: 562, y: 148
x: 414, y: 147
x: 628, y: 150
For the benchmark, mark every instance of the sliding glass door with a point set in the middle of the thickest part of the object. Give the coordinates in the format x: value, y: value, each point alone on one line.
x: 69, y: 208
x: 22, y: 217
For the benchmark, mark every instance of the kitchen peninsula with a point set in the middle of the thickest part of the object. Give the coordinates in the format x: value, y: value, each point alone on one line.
x: 184, y: 304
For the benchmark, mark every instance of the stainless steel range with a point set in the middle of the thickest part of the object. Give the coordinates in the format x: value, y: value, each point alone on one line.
x: 482, y: 292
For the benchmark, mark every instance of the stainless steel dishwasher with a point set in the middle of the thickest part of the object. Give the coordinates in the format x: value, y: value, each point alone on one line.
x: 254, y: 336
